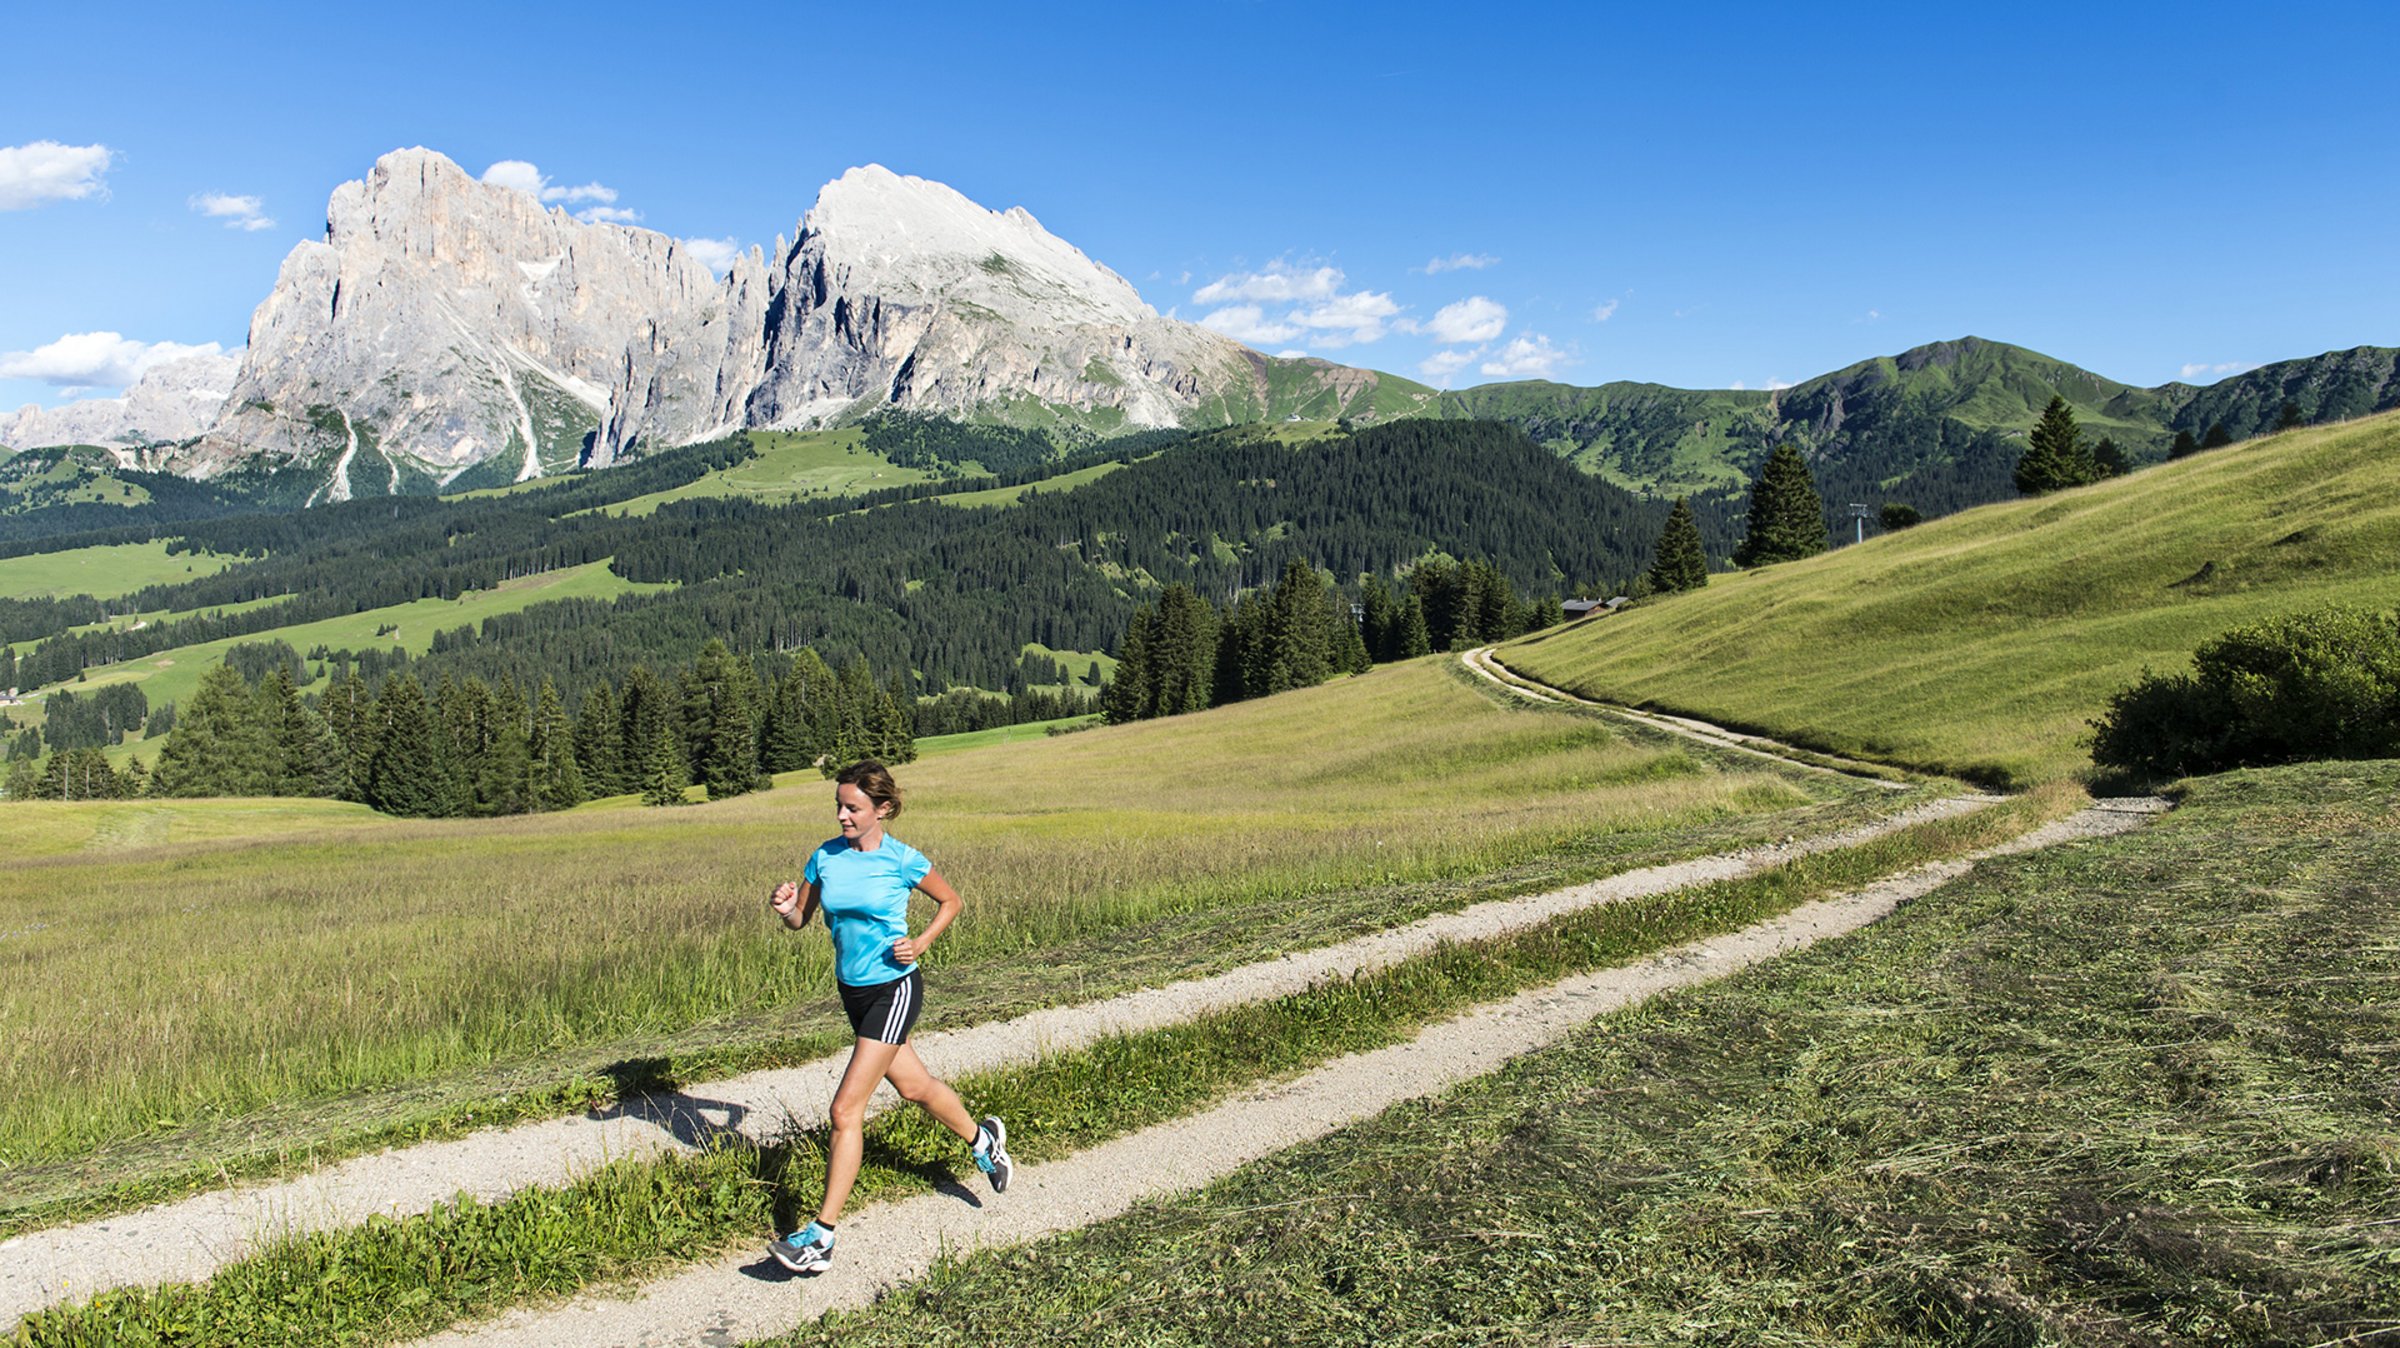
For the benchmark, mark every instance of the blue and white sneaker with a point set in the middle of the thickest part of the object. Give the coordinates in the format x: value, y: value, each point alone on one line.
x: 991, y: 1153
x: 807, y: 1250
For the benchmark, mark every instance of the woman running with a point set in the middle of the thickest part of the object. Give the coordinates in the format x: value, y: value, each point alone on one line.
x: 862, y: 881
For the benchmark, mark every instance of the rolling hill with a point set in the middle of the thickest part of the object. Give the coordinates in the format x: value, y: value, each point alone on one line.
x: 1980, y: 644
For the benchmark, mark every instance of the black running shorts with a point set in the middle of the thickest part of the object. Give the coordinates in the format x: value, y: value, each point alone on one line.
x: 884, y: 1011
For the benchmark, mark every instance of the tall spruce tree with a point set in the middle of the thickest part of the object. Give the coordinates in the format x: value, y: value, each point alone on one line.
x: 600, y: 743
x: 1680, y: 562
x: 1128, y: 697
x: 408, y: 775
x: 1787, y: 517
x: 2055, y: 455
x: 1181, y: 653
x: 557, y: 774
x: 1296, y: 655
x: 2184, y: 447
x: 1415, y: 637
x: 2217, y: 438
x: 220, y: 745
x: 720, y: 722
x: 662, y: 775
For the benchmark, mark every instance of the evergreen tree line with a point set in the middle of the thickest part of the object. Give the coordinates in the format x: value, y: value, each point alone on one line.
x: 95, y: 720
x: 75, y: 774
x: 474, y: 749
x: 1186, y: 654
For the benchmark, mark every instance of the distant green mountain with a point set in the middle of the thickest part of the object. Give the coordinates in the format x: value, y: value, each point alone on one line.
x: 1938, y: 426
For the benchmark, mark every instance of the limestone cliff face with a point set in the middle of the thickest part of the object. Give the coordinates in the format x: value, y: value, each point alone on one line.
x: 898, y: 292
x: 175, y: 401
x: 453, y: 333
x: 444, y: 324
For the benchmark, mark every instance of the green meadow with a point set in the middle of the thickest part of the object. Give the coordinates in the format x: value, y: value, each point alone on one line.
x: 790, y: 464
x: 173, y: 675
x: 1980, y: 644
x: 423, y: 970
x: 103, y: 572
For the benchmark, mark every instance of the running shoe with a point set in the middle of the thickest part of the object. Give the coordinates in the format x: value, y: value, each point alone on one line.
x: 991, y: 1153
x: 808, y: 1250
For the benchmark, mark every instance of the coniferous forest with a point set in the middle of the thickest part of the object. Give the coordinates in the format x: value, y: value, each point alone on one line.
x: 951, y: 595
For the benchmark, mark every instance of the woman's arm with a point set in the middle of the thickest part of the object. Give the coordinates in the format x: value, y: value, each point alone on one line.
x: 910, y: 949
x: 794, y: 903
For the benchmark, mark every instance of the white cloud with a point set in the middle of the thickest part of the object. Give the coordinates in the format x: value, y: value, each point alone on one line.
x: 1459, y: 262
x: 1528, y: 357
x: 243, y: 213
x: 1279, y: 283
x: 96, y: 360
x: 1605, y: 312
x: 1290, y: 353
x: 1249, y: 324
x: 516, y: 174
x: 1346, y: 320
x: 519, y: 176
x: 716, y: 254
x: 1441, y: 366
x: 1473, y: 319
x: 46, y: 171
x: 1773, y: 384
x: 2204, y: 370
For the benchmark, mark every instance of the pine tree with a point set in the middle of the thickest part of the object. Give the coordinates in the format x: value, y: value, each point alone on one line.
x: 1787, y: 517
x: 348, y: 710
x: 1680, y: 561
x: 1379, y: 620
x: 218, y: 746
x: 2184, y: 447
x: 1296, y: 636
x: 895, y: 730
x: 2108, y: 460
x: 557, y: 775
x: 2217, y: 438
x: 2288, y: 416
x: 662, y: 774
x: 798, y: 734
x: 1415, y: 638
x: 1181, y: 653
x: 409, y: 775
x: 2055, y: 456
x: 1129, y: 697
x: 720, y: 725
x: 600, y: 743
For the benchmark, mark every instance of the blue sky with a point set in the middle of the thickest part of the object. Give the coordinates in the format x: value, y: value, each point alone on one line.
x: 1723, y: 194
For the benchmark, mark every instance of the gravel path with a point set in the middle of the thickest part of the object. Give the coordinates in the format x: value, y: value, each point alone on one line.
x: 734, y: 1300
x: 1483, y: 662
x: 188, y: 1240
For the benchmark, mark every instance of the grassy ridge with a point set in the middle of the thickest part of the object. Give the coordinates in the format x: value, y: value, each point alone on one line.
x: 423, y: 967
x: 2138, y: 1091
x: 386, y: 1280
x: 1979, y: 644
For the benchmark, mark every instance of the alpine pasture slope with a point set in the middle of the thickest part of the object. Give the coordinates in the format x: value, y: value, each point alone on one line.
x: 1978, y: 645
x: 436, y: 976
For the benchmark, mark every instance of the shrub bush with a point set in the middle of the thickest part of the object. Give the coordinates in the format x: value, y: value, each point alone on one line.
x: 2319, y: 684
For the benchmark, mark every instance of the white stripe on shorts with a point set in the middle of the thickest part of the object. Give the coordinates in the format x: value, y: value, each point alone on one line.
x: 898, y: 1014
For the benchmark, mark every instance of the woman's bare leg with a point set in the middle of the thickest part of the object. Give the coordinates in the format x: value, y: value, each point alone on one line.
x: 927, y: 1092
x: 869, y: 1060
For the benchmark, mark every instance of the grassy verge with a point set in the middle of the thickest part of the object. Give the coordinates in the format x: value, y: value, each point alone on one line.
x: 2141, y: 1091
x: 1978, y: 644
x: 389, y: 1280
x: 432, y: 976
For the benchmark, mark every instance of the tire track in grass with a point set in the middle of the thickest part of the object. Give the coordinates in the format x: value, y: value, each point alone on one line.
x: 188, y: 1240
x: 749, y: 1297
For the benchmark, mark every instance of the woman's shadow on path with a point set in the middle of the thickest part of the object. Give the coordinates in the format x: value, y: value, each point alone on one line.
x: 646, y: 1092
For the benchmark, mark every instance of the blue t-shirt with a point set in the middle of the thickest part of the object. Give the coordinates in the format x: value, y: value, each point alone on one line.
x: 865, y: 897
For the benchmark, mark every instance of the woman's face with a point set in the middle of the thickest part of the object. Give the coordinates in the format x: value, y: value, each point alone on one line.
x: 858, y: 815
